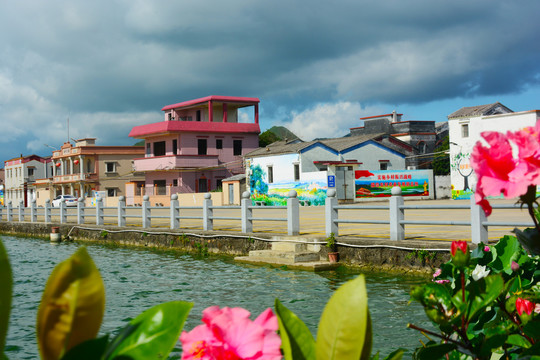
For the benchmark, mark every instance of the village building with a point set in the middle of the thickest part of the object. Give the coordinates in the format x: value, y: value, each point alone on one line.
x: 419, y: 134
x: 311, y: 168
x: 198, y: 144
x: 85, y: 168
x: 21, y: 174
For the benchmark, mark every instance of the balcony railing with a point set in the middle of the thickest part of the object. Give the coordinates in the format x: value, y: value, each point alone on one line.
x: 170, y: 162
x: 74, y: 177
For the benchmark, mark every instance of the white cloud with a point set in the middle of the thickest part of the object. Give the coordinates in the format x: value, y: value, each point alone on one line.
x: 327, y: 120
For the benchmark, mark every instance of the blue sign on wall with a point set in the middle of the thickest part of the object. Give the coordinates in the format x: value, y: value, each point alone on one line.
x: 331, y: 181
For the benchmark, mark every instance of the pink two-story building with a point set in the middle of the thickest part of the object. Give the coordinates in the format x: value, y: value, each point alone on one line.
x: 199, y: 143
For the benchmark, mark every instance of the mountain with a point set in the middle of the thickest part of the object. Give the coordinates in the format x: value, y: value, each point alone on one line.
x: 275, y: 133
x: 282, y: 132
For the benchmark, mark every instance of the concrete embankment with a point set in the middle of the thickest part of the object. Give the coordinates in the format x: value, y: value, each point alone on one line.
x: 374, y: 254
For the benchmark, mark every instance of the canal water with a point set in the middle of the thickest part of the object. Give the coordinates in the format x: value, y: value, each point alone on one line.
x: 136, y: 279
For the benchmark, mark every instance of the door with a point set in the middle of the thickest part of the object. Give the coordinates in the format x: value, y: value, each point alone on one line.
x: 345, y: 183
x: 231, y: 194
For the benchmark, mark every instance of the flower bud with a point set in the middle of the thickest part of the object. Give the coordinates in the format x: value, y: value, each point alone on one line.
x: 460, y: 253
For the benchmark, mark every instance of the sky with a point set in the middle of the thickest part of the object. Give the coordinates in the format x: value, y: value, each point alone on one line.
x: 316, y: 66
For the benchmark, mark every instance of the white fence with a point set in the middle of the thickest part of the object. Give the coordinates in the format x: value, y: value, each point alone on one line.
x: 175, y: 214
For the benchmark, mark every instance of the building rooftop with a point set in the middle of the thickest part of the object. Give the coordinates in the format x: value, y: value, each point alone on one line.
x: 247, y: 101
x: 480, y: 110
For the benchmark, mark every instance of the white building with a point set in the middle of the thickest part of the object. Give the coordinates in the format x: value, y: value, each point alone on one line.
x: 20, y: 176
x: 465, y: 127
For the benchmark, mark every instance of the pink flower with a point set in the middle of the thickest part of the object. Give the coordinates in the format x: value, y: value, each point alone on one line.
x: 437, y: 273
x: 442, y: 281
x: 524, y: 306
x: 486, y: 248
x: 514, y: 266
x: 230, y: 334
x: 499, y: 171
x: 493, y: 165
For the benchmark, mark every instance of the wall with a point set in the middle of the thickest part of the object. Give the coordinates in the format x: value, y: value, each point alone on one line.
x: 443, y: 187
x: 238, y: 188
x: 369, y: 154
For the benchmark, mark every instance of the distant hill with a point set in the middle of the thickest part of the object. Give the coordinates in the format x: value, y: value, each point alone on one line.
x: 282, y: 132
x: 139, y: 143
x: 275, y: 133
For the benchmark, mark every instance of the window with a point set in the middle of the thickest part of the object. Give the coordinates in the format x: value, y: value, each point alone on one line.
x: 383, y: 166
x: 148, y: 152
x: 112, y: 191
x: 110, y: 167
x: 237, y: 147
x: 270, y: 174
x: 465, y: 130
x: 219, y: 184
x: 296, y: 172
x: 170, y: 116
x: 198, y: 115
x: 201, y: 145
x: 175, y: 146
x: 175, y: 182
x: 219, y: 144
x: 185, y: 118
x: 160, y: 187
x: 31, y: 171
x: 159, y: 148
x: 88, y: 166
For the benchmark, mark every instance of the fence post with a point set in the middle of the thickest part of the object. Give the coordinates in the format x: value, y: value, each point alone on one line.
x: 331, y: 213
x: 99, y: 211
x: 122, y: 211
x: 397, y: 230
x: 479, y: 232
x: 247, y: 213
x: 146, y: 221
x: 21, y: 210
x: 80, y: 210
x: 293, y: 214
x: 208, y: 212
x: 63, y: 215
x: 9, y: 211
x: 48, y: 217
x: 174, y: 212
x: 33, y: 211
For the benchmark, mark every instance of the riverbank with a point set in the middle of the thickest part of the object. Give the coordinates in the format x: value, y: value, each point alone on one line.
x: 409, y: 256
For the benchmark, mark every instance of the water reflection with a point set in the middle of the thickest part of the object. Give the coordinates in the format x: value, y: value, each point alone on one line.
x: 136, y: 279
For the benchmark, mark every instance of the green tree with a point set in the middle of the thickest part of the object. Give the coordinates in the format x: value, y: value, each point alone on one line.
x: 441, y: 160
x: 267, y: 138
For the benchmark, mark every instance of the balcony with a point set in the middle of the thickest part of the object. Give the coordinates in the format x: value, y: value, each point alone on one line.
x: 171, y: 162
x: 74, y: 177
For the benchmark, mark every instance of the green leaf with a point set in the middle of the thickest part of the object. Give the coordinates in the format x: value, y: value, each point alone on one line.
x: 296, y: 339
x: 89, y: 350
x: 518, y: 340
x: 395, y: 355
x: 485, y: 291
x: 506, y: 251
x: 152, y: 334
x: 529, y: 239
x: 434, y: 351
x: 6, y: 284
x: 345, y: 326
x: 532, y: 329
x: 72, y: 306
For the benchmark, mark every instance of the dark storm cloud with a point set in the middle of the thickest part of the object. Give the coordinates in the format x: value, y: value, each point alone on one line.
x: 102, y: 60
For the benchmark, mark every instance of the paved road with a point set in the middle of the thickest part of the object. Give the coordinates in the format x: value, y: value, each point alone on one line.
x: 312, y: 221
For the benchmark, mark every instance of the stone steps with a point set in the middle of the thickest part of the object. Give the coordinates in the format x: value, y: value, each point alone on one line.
x: 293, y: 254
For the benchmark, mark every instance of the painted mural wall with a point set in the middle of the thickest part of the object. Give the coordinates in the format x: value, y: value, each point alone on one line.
x: 311, y: 188
x: 373, y: 184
